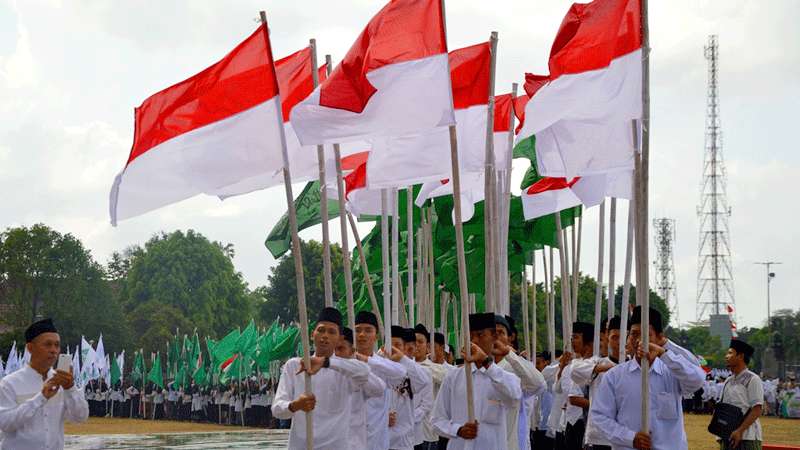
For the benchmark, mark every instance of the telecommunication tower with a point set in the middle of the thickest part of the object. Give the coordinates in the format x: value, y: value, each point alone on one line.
x: 714, y: 272
x: 664, y: 234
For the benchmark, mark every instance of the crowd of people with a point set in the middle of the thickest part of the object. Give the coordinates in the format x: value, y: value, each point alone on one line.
x: 413, y: 395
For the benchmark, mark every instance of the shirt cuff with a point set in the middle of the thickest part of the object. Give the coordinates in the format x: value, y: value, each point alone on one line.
x: 38, y: 400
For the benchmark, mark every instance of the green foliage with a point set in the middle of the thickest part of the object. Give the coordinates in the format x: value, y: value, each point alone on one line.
x: 184, y: 280
x: 53, y: 274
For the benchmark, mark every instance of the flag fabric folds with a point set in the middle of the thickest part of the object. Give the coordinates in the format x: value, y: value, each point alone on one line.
x: 581, y: 112
x: 212, y: 130
x: 393, y: 81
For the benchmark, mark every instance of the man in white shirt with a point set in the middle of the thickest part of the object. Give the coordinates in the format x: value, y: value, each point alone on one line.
x: 402, y: 410
x: 531, y: 381
x: 424, y: 437
x: 390, y: 371
x: 576, y: 403
x: 35, y: 400
x: 544, y: 403
x: 334, y: 380
x: 374, y: 388
x: 616, y: 408
x: 495, y: 391
x: 744, y: 390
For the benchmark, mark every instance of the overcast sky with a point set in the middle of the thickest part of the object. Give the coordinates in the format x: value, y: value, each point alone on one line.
x: 71, y: 73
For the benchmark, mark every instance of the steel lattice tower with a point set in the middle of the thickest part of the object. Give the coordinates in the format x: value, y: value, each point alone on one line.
x: 664, y: 234
x: 714, y: 273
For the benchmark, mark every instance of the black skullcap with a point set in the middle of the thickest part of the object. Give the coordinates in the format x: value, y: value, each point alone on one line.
x: 544, y: 355
x: 420, y: 328
x: 742, y: 347
x: 37, y: 328
x: 559, y: 353
x: 348, y: 335
x: 459, y: 361
x: 438, y: 338
x: 398, y: 331
x: 585, y: 329
x: 603, y: 326
x: 512, y: 324
x: 614, y: 323
x: 500, y: 320
x: 655, y: 319
x: 481, y: 321
x: 409, y: 335
x: 366, y: 317
x: 329, y: 314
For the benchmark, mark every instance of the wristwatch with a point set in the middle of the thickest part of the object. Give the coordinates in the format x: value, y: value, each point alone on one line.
x: 487, y: 361
x: 326, y: 362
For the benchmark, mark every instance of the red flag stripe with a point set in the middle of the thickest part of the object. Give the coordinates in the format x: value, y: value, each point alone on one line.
x: 242, y: 79
x: 469, y: 75
x: 295, y: 79
x: 550, y: 184
x: 351, y: 162
x: 404, y: 30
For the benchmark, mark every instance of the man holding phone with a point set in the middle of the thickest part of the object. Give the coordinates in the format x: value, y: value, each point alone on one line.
x: 35, y: 400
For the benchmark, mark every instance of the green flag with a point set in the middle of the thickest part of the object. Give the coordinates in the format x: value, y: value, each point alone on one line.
x: 114, y: 371
x: 308, y: 215
x: 226, y: 347
x: 246, y: 344
x: 138, y: 371
x: 155, y: 374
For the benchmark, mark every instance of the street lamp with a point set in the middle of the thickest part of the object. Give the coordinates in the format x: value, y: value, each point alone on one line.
x: 770, y: 276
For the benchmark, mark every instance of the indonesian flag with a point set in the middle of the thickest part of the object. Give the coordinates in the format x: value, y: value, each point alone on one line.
x: 425, y: 156
x: 581, y: 113
x: 547, y: 196
x: 213, y: 130
x: 295, y: 83
x: 394, y: 80
x: 226, y: 365
x: 472, y: 192
x: 361, y: 200
x: 593, y: 189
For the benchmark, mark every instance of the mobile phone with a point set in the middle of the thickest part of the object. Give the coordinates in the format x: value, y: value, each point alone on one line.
x: 64, y: 362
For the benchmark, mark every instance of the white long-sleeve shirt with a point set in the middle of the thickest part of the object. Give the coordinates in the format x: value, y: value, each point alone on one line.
x: 495, y: 391
x: 616, y: 409
x: 583, y: 375
x: 532, y: 383
x: 333, y: 388
x: 437, y: 373
x: 402, y: 435
x: 28, y: 420
x: 375, y: 387
x: 423, y: 404
x: 391, y: 373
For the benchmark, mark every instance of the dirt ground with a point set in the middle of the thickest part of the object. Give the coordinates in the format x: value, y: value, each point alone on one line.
x: 776, y: 431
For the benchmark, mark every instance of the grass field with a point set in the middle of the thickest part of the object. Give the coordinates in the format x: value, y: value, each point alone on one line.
x: 776, y: 431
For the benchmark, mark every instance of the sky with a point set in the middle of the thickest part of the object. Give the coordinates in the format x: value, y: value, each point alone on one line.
x: 71, y: 73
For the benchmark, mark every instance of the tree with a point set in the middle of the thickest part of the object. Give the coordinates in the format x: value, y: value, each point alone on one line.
x: 279, y: 297
x: 183, y: 275
x: 44, y: 273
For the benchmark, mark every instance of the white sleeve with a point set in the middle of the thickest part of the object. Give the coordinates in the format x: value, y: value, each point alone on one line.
x: 14, y: 416
x: 506, y: 384
x: 354, y: 369
x: 682, y: 351
x: 286, y: 390
x: 441, y: 418
x: 426, y: 400
x: 389, y: 371
x: 375, y: 387
x: 531, y: 380
x: 76, y: 408
x: 603, y: 412
x: 418, y: 376
x: 690, y: 376
x: 583, y: 371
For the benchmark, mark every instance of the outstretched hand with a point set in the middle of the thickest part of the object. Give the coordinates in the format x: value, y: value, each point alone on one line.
x: 316, y: 365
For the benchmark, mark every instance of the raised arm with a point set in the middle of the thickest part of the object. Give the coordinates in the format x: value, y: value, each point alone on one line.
x: 354, y: 369
x: 76, y: 408
x: 603, y: 412
x: 506, y: 384
x: 390, y: 372
x: 375, y: 386
x: 690, y: 376
x: 418, y: 375
x: 531, y: 380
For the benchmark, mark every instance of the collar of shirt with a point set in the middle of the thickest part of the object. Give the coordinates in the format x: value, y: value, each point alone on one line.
x: 656, y: 366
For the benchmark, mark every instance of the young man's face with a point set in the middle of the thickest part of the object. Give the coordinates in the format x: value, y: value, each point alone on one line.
x: 398, y: 343
x: 732, y: 358
x: 578, y: 343
x: 484, y: 339
x: 541, y: 363
x: 613, y: 343
x: 326, y: 337
x: 344, y: 349
x: 366, y: 335
x: 603, y: 343
x: 422, y: 347
x: 502, y: 333
x: 635, y: 335
x: 439, y: 351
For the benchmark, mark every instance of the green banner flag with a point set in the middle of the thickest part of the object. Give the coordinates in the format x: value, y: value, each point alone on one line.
x: 155, y: 374
x: 308, y: 214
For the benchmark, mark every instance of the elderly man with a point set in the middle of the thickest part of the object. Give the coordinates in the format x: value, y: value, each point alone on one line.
x: 35, y: 401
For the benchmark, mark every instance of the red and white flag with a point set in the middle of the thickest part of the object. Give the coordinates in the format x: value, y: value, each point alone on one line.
x: 210, y: 131
x: 394, y: 80
x: 581, y: 113
x: 361, y: 200
x: 593, y: 189
x: 547, y: 196
x: 295, y: 83
x: 425, y: 156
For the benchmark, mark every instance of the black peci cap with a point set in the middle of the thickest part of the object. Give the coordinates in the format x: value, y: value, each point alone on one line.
x: 655, y: 319
x: 366, y: 317
x: 37, y: 328
x: 348, y: 335
x: 584, y: 329
x: 438, y: 338
x: 481, y: 321
x: 614, y: 323
x: 329, y: 314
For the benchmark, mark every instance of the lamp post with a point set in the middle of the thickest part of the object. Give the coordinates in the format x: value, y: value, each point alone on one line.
x: 770, y: 276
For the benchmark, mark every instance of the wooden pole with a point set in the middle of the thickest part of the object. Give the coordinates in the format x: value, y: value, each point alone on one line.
x: 612, y: 257
x: 387, y: 317
x: 524, y: 300
x: 598, y: 293
x: 576, y: 265
x: 489, y: 186
x: 296, y: 251
x: 365, y: 270
x: 323, y: 195
x: 550, y: 303
x: 505, y: 218
x: 396, y: 289
x: 624, y: 307
x: 535, y: 301
x: 410, y: 254
x: 566, y: 319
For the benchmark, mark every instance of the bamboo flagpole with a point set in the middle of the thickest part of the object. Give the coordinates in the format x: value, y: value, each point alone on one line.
x: 566, y: 314
x: 296, y: 251
x: 598, y: 293
x: 506, y: 204
x: 523, y: 288
x: 410, y: 254
x: 387, y: 317
x: 396, y: 288
x: 535, y: 301
x: 365, y: 270
x: 489, y: 187
x: 642, y: 192
x: 550, y: 303
x: 624, y: 307
x: 612, y: 257
x: 576, y: 266
x: 323, y: 195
